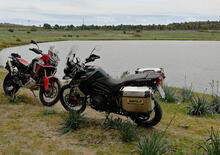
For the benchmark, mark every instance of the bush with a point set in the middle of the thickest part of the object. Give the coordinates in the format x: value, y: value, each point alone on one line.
x: 216, y: 104
x: 128, y: 131
x: 11, y: 30
x: 156, y: 144
x: 187, y: 94
x: 212, y: 144
x: 28, y: 32
x: 18, y: 40
x: 199, y: 106
x: 33, y: 29
x: 72, y: 122
x: 111, y: 123
x: 170, y: 94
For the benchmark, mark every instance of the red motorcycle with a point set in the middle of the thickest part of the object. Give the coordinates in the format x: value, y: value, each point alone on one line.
x: 39, y: 74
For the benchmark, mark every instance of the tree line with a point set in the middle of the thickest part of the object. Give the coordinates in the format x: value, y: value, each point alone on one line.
x: 199, y: 25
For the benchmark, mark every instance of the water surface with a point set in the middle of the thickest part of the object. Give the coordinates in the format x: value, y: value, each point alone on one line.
x: 196, y: 61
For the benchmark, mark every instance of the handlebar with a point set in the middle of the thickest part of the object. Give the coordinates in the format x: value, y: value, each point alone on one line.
x: 35, y: 50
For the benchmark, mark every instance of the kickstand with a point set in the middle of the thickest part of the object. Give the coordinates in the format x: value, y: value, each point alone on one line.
x: 33, y: 93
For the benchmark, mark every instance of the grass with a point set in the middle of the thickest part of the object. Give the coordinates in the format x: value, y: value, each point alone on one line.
x: 112, y: 123
x: 170, y: 94
x: 128, y: 132
x: 212, y: 144
x: 74, y: 121
x: 216, y: 104
x: 126, y: 128
x: 187, y: 94
x: 154, y: 144
x: 22, y: 35
x: 25, y: 130
x: 200, y: 106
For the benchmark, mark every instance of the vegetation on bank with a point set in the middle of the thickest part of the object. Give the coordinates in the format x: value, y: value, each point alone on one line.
x: 13, y: 35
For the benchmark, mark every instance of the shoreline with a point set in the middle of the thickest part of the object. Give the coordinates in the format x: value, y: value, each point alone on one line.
x: 18, y: 37
x: 26, y: 43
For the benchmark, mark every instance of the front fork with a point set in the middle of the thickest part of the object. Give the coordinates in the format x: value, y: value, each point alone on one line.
x: 46, y: 81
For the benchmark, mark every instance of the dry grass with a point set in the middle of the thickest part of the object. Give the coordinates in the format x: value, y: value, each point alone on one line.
x: 26, y: 130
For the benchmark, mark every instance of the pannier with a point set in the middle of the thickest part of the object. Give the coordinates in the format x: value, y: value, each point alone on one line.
x: 137, y: 99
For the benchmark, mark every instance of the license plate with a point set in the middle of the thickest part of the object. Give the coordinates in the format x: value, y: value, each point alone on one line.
x: 161, y: 92
x: 135, y: 101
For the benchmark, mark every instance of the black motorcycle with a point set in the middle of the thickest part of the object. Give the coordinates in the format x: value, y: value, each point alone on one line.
x: 131, y: 96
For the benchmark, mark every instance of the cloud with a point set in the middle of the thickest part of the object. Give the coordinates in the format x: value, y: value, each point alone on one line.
x: 107, y: 11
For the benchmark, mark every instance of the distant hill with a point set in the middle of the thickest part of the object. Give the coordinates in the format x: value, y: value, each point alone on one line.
x: 10, y: 25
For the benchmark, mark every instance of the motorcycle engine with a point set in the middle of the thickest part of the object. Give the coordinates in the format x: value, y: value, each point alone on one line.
x: 27, y: 80
x: 30, y: 83
x: 98, y: 102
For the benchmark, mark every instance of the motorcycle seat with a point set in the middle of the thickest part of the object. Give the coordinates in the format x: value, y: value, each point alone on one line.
x: 118, y: 82
x: 141, y: 77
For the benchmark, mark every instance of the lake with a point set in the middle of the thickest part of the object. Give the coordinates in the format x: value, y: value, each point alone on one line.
x: 196, y: 62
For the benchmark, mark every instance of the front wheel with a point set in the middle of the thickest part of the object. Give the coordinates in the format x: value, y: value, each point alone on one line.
x: 72, y: 100
x: 9, y: 86
x: 150, y: 120
x: 50, y: 97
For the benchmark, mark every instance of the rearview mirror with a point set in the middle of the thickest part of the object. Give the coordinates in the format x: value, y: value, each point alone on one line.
x: 92, y: 57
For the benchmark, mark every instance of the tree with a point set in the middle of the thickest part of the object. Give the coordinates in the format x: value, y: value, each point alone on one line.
x: 56, y: 26
x: 47, y: 26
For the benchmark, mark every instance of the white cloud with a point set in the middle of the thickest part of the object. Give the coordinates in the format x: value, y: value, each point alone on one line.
x: 39, y: 9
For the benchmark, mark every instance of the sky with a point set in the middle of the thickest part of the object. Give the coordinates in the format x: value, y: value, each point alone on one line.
x: 107, y: 12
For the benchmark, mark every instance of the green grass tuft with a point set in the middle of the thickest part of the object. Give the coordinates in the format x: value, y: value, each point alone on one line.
x: 73, y: 122
x: 216, y: 104
x: 187, y: 94
x: 111, y: 123
x: 155, y: 144
x: 126, y: 128
x: 128, y: 132
x: 199, y: 106
x: 212, y: 144
x: 170, y: 94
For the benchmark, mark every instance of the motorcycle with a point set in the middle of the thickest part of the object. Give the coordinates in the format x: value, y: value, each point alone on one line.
x: 132, y: 96
x: 39, y: 74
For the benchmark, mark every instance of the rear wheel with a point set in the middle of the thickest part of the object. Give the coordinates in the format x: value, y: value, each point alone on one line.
x: 50, y: 97
x: 151, y: 119
x: 72, y: 100
x: 9, y: 86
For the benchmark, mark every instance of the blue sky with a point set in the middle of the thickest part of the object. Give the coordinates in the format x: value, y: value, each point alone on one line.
x: 107, y: 12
